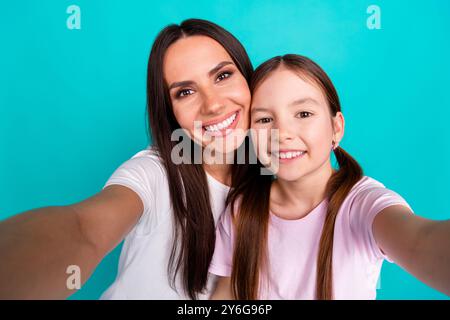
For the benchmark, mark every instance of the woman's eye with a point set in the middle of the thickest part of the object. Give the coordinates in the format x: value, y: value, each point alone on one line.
x: 304, y: 114
x: 224, y: 75
x: 184, y: 93
x: 263, y: 120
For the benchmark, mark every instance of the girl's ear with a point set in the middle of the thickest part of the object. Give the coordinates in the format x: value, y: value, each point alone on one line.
x: 338, y: 126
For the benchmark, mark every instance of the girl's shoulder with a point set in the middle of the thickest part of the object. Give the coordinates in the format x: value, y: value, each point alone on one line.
x: 371, y: 193
x: 366, y: 184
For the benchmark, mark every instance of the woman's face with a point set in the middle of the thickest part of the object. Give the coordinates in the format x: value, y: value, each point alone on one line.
x: 209, y: 95
x: 299, y: 111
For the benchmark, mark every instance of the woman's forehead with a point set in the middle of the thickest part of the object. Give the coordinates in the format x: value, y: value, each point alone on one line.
x: 192, y: 56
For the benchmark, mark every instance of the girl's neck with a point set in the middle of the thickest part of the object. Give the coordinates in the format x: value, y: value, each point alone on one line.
x: 295, y: 199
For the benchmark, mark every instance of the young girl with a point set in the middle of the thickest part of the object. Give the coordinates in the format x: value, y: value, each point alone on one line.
x: 312, y: 232
x: 166, y: 211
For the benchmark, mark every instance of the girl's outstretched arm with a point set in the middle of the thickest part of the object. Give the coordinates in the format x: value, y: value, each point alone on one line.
x: 38, y: 246
x: 223, y: 289
x: 420, y: 246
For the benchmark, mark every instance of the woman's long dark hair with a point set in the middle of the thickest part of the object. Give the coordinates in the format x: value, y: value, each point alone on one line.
x: 252, y: 191
x: 194, y: 235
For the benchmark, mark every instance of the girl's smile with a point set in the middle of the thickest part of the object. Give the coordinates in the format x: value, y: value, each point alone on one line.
x: 286, y: 156
x: 292, y: 110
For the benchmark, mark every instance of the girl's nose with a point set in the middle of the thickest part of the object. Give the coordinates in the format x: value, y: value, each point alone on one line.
x: 284, y: 135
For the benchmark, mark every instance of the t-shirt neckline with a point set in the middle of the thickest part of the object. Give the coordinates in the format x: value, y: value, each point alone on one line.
x: 310, y: 215
x: 217, y: 183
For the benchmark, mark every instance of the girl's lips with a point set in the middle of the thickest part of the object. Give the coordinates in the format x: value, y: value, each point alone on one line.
x: 285, y: 156
x: 225, y: 131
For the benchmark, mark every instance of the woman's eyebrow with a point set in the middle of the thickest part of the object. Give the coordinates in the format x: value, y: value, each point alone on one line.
x: 210, y: 74
x: 180, y: 84
x: 218, y: 67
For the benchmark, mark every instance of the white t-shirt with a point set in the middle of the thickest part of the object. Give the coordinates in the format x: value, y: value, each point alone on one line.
x: 142, y: 272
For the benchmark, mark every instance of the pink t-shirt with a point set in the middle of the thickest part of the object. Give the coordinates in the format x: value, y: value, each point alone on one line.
x: 293, y: 247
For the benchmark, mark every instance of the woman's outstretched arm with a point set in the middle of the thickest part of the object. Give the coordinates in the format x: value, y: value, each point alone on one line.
x: 420, y: 246
x: 37, y: 246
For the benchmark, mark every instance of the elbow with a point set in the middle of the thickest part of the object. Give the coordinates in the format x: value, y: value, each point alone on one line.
x: 91, y: 244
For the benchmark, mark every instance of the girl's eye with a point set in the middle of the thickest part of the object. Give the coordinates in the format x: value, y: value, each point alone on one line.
x: 264, y: 120
x: 304, y: 114
x: 224, y: 75
x: 184, y: 92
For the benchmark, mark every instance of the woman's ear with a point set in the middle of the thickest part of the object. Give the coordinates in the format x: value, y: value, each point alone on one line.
x: 338, y: 126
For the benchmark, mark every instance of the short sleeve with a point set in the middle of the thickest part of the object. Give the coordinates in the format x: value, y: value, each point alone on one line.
x: 366, y: 204
x: 221, y: 263
x: 140, y: 175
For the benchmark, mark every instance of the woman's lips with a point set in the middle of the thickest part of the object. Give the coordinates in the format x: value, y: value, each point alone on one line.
x: 224, y: 127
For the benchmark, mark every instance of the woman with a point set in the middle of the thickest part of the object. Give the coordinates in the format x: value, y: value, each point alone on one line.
x: 197, y: 74
x: 313, y: 232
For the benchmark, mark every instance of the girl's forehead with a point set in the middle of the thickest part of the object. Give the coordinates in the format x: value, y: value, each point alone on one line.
x: 284, y: 86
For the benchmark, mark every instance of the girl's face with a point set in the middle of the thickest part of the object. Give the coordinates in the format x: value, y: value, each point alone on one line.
x: 298, y: 109
x: 209, y: 95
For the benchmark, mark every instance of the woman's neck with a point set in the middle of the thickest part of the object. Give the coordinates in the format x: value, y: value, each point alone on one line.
x: 295, y: 199
x: 220, y: 172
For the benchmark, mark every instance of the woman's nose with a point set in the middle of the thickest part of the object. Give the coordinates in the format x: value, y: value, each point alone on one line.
x: 212, y: 103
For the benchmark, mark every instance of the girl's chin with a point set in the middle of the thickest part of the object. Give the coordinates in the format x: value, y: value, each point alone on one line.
x: 290, y: 174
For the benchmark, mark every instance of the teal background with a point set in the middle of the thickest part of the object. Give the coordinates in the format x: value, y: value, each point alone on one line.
x: 72, y: 102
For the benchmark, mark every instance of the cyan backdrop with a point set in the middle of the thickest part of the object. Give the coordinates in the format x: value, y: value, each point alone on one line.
x: 72, y: 101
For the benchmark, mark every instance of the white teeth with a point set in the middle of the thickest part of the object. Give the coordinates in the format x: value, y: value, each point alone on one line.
x: 222, y: 125
x: 290, y: 154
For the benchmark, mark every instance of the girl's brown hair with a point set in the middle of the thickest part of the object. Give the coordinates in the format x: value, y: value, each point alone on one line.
x: 253, y: 194
x: 194, y: 234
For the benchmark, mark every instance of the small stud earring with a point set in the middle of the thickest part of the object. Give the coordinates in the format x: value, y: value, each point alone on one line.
x: 334, y: 145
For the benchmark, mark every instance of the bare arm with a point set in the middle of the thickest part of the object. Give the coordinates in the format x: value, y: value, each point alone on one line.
x: 37, y: 246
x: 223, y: 289
x: 420, y: 246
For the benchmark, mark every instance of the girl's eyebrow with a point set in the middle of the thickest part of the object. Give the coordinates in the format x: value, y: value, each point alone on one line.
x: 293, y: 103
x: 210, y: 74
x: 255, y: 110
x: 303, y: 101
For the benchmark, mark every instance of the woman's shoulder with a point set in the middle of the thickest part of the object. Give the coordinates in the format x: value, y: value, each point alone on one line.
x: 148, y: 160
x: 143, y: 172
x: 149, y: 154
